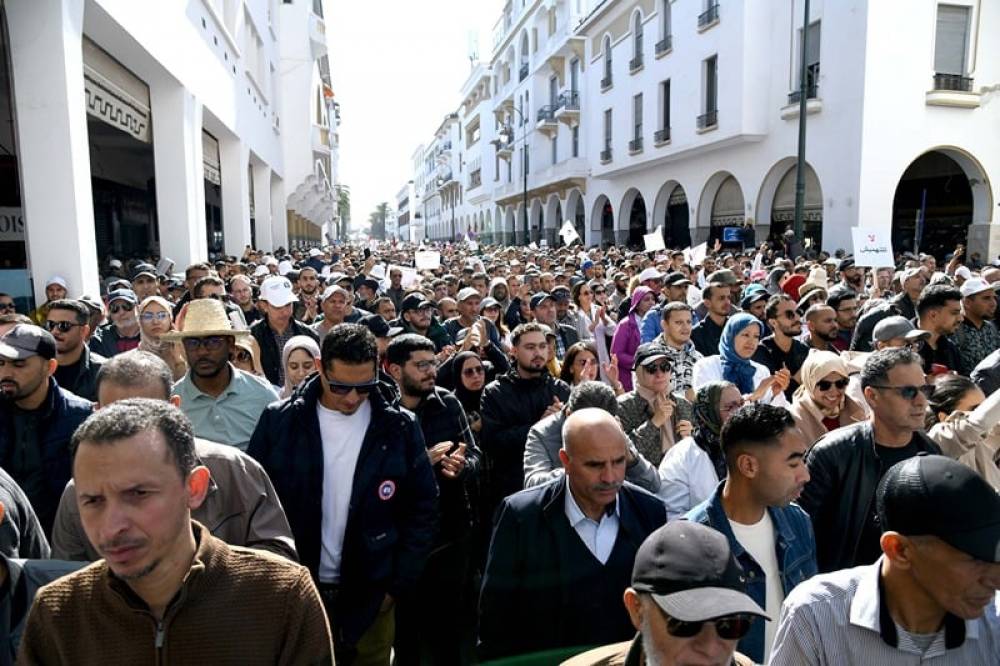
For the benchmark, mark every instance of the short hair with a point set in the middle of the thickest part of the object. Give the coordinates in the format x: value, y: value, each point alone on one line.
x: 196, y: 267
x: 754, y: 424
x: 379, y: 301
x: 592, y: 394
x: 402, y: 346
x: 134, y: 369
x: 815, y: 309
x: 521, y: 329
x: 82, y: 311
x: 349, y: 343
x: 837, y: 296
x: 307, y: 268
x: 128, y: 418
x: 200, y: 285
x: 566, y: 372
x: 706, y: 293
x: 948, y: 392
x: 936, y: 296
x: 480, y: 276
x: 771, y: 309
x: 875, y: 371
x: 672, y: 307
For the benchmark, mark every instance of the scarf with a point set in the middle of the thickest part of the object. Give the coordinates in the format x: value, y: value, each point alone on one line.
x: 470, y: 400
x: 735, y: 368
x: 818, y: 365
x: 148, y: 343
x: 667, y: 429
x: 708, y: 423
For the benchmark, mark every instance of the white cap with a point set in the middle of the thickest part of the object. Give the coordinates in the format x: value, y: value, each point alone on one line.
x: 650, y: 274
x: 974, y: 286
x: 57, y: 279
x: 261, y: 271
x: 270, y: 261
x: 963, y: 272
x: 277, y: 291
x: 115, y: 263
x: 285, y: 267
x: 315, y: 252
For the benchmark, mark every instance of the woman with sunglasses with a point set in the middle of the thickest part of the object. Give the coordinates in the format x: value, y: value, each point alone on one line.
x: 299, y: 360
x: 821, y: 403
x: 491, y: 309
x: 739, y: 341
x: 155, y: 320
x: 470, y: 374
x: 246, y: 356
x: 962, y: 421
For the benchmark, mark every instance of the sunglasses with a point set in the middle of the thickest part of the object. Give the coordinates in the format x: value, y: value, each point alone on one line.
x: 730, y: 627
x: 473, y: 371
x: 598, y: 292
x: 343, y: 389
x: 4, y: 307
x: 790, y: 315
x: 121, y: 307
x: 211, y: 343
x: 825, y: 385
x: 242, y: 356
x: 154, y: 316
x: 63, y: 326
x: 910, y: 392
x: 663, y: 366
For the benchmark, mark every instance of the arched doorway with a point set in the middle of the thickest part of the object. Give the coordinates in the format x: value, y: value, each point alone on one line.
x: 555, y: 221
x: 537, y: 221
x: 728, y: 214
x: 637, y: 222
x: 671, y: 212
x: 603, y: 221
x: 936, y: 189
x: 575, y: 213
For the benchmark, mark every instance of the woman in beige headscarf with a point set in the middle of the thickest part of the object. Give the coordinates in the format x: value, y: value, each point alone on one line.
x: 155, y: 320
x: 821, y: 403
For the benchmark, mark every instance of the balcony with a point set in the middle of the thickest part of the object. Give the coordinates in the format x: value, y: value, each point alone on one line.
x: 504, y: 150
x: 665, y: 46
x: 635, y: 64
x: 661, y: 136
x: 635, y: 146
x: 953, y: 90
x: 317, y: 35
x: 321, y: 139
x: 606, y: 83
x: 708, y: 121
x: 606, y: 155
x: 568, y: 108
x: 523, y: 73
x: 952, y: 82
x: 444, y: 179
x: 708, y: 18
x: 546, y: 120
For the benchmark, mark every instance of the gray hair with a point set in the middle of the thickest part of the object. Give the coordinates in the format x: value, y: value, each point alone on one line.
x: 878, y: 366
x: 592, y: 394
x: 136, y: 369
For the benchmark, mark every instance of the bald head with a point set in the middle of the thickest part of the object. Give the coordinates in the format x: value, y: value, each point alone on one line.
x: 591, y: 427
x: 594, y: 455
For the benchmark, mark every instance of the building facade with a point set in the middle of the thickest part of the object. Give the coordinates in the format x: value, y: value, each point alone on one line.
x: 628, y: 116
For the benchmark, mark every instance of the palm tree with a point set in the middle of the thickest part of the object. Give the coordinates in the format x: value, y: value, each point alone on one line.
x: 344, y: 210
x: 378, y: 218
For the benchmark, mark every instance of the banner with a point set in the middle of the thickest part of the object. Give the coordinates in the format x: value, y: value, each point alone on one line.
x: 568, y: 233
x: 696, y: 255
x: 654, y: 241
x: 427, y: 260
x: 873, y: 247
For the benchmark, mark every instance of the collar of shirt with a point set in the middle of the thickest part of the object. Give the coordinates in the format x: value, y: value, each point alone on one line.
x: 869, y: 610
x: 575, y: 514
x: 194, y: 392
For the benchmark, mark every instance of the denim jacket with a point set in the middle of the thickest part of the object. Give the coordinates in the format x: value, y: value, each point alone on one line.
x: 796, y: 554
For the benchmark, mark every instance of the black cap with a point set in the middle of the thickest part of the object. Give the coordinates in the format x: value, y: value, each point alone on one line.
x: 648, y: 353
x: 930, y: 495
x: 415, y: 301
x: 676, y: 279
x: 144, y: 269
x: 537, y: 299
x: 27, y: 340
x: 365, y: 281
x: 845, y: 263
x: 692, y: 574
x: 379, y: 327
x: 561, y: 293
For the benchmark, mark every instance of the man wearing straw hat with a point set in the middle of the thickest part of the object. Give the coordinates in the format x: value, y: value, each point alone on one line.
x: 222, y: 402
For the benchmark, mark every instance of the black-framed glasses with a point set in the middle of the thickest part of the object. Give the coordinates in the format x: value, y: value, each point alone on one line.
x: 826, y: 385
x: 121, y: 307
x: 7, y: 307
x: 909, y: 392
x: 63, y: 326
x: 730, y: 627
x: 790, y: 315
x: 473, y: 371
x: 598, y: 292
x: 210, y: 343
x: 663, y: 366
x: 424, y: 366
x: 344, y: 389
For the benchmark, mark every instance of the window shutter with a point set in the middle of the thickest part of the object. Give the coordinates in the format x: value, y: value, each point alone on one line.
x: 812, y: 47
x: 952, y: 39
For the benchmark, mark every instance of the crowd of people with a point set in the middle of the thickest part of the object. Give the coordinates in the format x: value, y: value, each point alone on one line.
x: 450, y: 454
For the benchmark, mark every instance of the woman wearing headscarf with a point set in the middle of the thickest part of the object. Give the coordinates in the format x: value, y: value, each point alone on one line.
x: 963, y: 422
x: 155, y: 320
x: 298, y: 358
x: 692, y: 468
x: 740, y: 337
x: 470, y: 374
x: 246, y: 356
x: 821, y: 403
x: 627, y: 337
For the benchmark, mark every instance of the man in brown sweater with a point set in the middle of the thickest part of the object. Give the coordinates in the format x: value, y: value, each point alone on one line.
x: 167, y: 591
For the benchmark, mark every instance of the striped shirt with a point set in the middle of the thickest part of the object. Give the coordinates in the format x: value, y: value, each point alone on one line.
x: 841, y: 618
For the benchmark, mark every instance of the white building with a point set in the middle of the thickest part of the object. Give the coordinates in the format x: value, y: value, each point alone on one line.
x: 688, y: 120
x: 406, y: 206
x: 138, y: 128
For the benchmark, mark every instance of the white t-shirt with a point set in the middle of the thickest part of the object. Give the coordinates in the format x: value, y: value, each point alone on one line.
x: 758, y: 540
x: 342, y: 436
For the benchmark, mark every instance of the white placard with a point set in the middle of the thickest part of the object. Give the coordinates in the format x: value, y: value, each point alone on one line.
x: 427, y: 260
x: 533, y: 245
x: 695, y: 256
x: 568, y: 233
x: 410, y: 277
x: 872, y: 247
x: 654, y: 241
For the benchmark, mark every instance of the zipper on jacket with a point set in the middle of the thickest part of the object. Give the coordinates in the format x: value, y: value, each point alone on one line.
x: 160, y: 631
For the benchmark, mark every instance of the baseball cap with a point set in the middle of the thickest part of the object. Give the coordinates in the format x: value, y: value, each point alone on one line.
x: 692, y: 574
x: 650, y: 274
x: 910, y: 273
x: 364, y: 281
x: 115, y: 263
x: 277, y: 291
x: 315, y: 252
x: 561, y: 293
x: 488, y: 302
x: 415, y: 301
x: 845, y: 264
x: 963, y: 272
x: 26, y: 340
x: 285, y: 267
x: 975, y: 286
x: 122, y: 295
x: 379, y: 327
x: 754, y: 293
x: 897, y: 327
x: 261, y: 270
x: 648, y: 353
x: 144, y: 269
x: 468, y: 292
x: 587, y: 263
x: 723, y: 276
x: 334, y: 289
x: 931, y: 495
x: 676, y: 279
x: 537, y: 299
x: 57, y: 279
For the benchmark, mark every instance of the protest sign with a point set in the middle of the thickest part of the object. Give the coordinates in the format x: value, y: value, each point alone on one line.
x: 654, y: 241
x: 872, y: 247
x: 427, y: 260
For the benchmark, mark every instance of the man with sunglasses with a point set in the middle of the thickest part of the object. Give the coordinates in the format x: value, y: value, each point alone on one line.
x: 354, y: 478
x: 847, y: 464
x: 214, y: 287
x: 754, y: 508
x: 688, y: 602
x: 7, y: 305
x: 68, y: 322
x: 783, y: 349
x: 121, y: 334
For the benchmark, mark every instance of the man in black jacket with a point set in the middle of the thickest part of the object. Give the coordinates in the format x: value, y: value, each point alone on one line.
x: 69, y: 323
x: 512, y: 404
x: 277, y: 327
x: 353, y: 475
x: 455, y: 458
x: 847, y: 464
x: 562, y: 553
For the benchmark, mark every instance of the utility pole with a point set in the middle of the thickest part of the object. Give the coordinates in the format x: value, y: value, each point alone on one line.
x: 800, y: 166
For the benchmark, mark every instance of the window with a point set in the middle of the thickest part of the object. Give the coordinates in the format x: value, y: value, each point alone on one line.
x: 555, y: 149
x: 553, y: 91
x: 951, y: 42
x: 711, y: 84
x: 607, y: 63
x: 607, y: 129
x: 637, y: 117
x: 812, y: 59
x: 664, y: 19
x: 665, y: 105
x: 574, y: 74
x: 575, y: 133
x: 637, y: 39
x: 527, y: 155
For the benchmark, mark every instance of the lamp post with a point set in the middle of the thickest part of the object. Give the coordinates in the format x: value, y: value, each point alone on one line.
x: 506, y: 138
x: 800, y: 165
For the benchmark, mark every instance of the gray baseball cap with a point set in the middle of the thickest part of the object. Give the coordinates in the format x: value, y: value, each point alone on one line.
x: 897, y: 327
x: 27, y: 340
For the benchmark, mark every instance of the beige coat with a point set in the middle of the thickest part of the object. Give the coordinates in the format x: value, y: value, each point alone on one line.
x: 809, y: 418
x: 973, y: 439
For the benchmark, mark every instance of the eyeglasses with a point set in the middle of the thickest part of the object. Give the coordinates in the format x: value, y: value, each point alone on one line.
x: 474, y: 370
x: 344, y: 389
x: 211, y: 343
x: 598, y: 292
x: 664, y: 366
x: 154, y: 316
x: 910, y: 392
x: 790, y: 315
x: 825, y: 385
x: 217, y: 297
x: 4, y: 307
x: 63, y: 326
x: 424, y: 366
x: 730, y: 628
x: 241, y: 356
x: 121, y: 307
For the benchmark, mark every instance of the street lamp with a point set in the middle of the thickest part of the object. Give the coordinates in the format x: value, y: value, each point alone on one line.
x: 505, y: 137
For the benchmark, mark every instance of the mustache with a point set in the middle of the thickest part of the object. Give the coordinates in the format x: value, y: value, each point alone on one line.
x: 605, y: 487
x: 121, y: 542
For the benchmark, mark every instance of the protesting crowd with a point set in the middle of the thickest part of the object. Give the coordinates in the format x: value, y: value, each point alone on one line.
x: 456, y: 454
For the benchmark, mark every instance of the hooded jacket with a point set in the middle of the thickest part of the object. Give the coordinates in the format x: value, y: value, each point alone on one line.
x: 627, y: 338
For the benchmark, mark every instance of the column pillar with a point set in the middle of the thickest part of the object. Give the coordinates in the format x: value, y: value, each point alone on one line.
x: 279, y: 214
x: 262, y: 206
x: 180, y: 175
x: 47, y: 68
x: 235, y: 156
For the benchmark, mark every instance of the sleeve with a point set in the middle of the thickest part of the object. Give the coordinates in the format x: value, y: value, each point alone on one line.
x: 30, y: 537
x: 39, y: 645
x: 796, y: 641
x: 498, y: 602
x: 308, y: 639
x: 640, y: 430
x: 704, y: 371
x: 499, y: 360
x: 473, y: 456
x: 642, y: 473
x: 260, y: 441
x: 69, y: 542
x: 674, y: 488
x: 500, y: 438
x: 267, y: 526
x: 538, y: 465
x: 651, y: 326
x: 418, y: 517
x: 619, y: 346
x: 821, y: 483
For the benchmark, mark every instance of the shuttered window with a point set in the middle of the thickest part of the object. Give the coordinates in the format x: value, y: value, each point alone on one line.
x: 952, y: 40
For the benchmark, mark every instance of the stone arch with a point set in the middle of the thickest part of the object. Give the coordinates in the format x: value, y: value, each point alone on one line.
x: 776, y: 203
x: 672, y: 212
x: 722, y: 205
x: 602, y: 221
x: 576, y: 212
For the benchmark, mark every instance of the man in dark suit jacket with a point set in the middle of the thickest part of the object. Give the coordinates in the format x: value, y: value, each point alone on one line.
x: 562, y: 553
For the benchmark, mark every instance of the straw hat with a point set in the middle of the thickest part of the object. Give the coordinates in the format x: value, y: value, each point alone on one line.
x: 205, y: 317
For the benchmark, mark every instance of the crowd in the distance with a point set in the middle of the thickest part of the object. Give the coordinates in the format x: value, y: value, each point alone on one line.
x: 449, y: 454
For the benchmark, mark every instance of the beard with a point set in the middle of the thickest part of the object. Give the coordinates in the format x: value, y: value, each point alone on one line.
x: 648, y: 646
x: 415, y: 389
